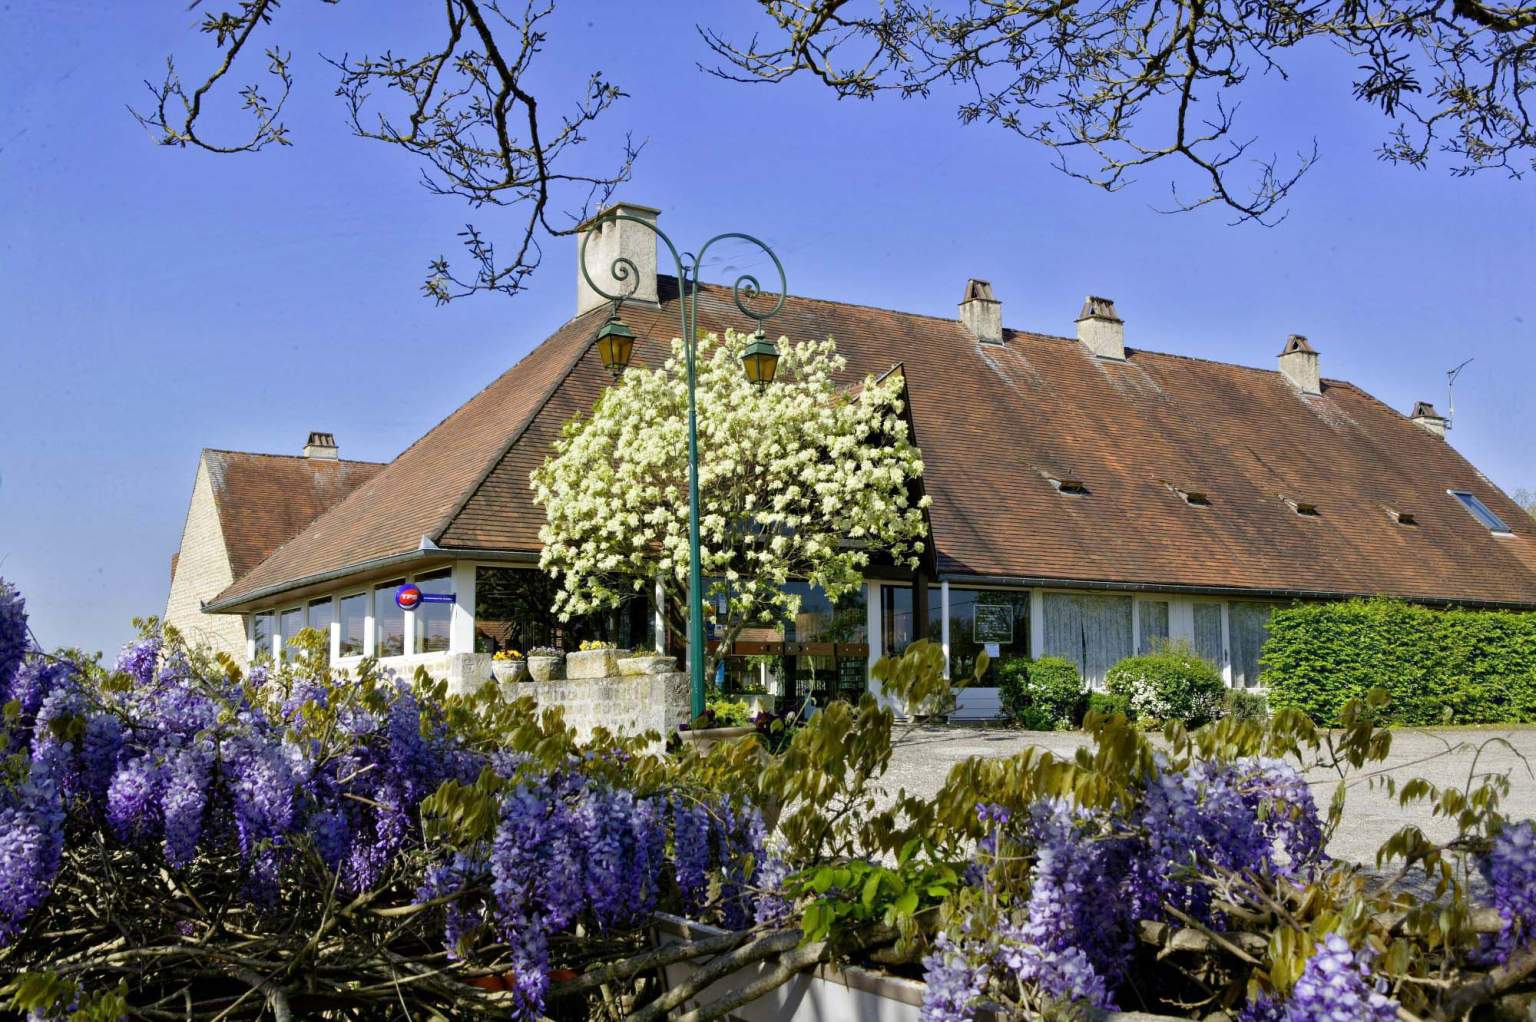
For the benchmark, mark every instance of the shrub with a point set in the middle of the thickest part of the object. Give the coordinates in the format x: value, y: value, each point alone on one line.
x: 1173, y: 683
x: 1105, y: 704
x: 1247, y: 705
x: 1437, y: 666
x: 1041, y: 695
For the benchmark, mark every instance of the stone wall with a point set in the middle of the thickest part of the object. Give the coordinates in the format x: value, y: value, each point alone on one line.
x: 627, y: 705
x: 202, y: 572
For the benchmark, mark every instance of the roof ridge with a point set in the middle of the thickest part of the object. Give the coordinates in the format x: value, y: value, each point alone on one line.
x: 293, y: 457
x: 446, y: 522
x: 1018, y: 331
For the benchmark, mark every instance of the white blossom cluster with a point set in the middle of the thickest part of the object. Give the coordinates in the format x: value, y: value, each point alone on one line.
x: 802, y: 479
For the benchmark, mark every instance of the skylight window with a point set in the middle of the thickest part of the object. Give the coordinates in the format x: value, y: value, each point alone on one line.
x: 1194, y: 498
x: 1477, y: 509
x: 1402, y: 517
x: 1073, y: 486
x: 1301, y: 507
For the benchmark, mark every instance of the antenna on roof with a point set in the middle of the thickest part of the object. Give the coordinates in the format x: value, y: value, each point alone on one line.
x: 1450, y: 392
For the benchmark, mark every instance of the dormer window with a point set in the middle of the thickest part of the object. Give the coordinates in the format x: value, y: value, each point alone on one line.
x: 1076, y: 487
x: 1194, y: 498
x: 1401, y: 517
x: 1477, y: 509
x: 1301, y: 507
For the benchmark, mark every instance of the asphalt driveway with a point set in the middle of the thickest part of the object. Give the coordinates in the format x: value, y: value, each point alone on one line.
x: 923, y: 757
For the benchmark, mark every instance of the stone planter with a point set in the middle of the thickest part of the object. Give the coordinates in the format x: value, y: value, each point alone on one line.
x: 546, y: 668
x: 634, y: 666
x: 507, y: 672
x: 593, y: 663
x: 707, y: 738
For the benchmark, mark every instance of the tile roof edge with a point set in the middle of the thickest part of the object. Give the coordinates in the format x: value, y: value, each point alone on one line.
x: 442, y: 527
x: 293, y: 457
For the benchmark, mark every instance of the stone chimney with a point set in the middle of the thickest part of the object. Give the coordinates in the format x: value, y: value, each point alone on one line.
x: 611, y: 240
x: 1298, y: 363
x: 981, y: 313
x: 321, y: 447
x: 1424, y: 415
x: 1100, y: 329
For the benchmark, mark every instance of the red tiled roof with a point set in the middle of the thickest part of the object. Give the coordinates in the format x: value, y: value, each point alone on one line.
x: 996, y: 423
x: 264, y: 500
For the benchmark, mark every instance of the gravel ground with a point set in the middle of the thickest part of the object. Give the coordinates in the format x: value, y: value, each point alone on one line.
x: 922, y: 760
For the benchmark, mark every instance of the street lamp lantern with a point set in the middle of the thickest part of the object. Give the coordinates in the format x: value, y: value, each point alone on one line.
x: 616, y: 342
x: 761, y: 359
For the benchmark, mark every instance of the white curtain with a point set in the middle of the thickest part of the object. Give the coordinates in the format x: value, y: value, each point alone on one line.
x: 1250, y: 627
x: 1094, y: 632
x: 1208, y: 633
x: 1152, y: 622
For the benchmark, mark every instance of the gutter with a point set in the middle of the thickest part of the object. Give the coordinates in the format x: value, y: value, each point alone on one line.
x: 427, y: 551
x: 1041, y: 582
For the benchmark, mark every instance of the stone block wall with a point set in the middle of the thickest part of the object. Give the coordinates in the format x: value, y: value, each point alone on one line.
x: 628, y: 705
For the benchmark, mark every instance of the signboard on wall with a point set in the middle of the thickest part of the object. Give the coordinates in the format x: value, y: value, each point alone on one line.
x: 993, y: 623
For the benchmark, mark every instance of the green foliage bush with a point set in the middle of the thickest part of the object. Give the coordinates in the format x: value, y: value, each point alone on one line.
x: 1106, y: 704
x: 1438, y: 666
x: 1247, y: 705
x: 1173, y: 683
x: 1042, y: 695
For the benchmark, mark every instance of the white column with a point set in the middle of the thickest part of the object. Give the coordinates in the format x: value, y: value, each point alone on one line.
x: 660, y: 597
x: 277, y: 635
x: 872, y: 626
x: 408, y: 643
x: 250, y: 637
x: 370, y: 626
x: 335, y: 645
x: 461, y: 626
x: 944, y: 623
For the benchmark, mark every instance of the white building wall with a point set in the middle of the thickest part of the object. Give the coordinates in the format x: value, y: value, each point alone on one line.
x: 202, y: 572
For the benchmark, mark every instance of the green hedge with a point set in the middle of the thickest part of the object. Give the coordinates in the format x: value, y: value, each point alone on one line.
x: 1171, y: 683
x: 1042, y: 695
x: 1439, y: 666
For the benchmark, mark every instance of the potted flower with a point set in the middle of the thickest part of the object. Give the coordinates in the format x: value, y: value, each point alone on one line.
x: 546, y: 663
x: 508, y: 666
x: 595, y: 659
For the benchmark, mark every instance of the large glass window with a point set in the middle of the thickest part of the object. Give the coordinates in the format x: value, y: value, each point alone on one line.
x: 388, y: 620
x: 895, y: 619
x: 320, y: 617
x: 433, y: 619
x: 988, y: 619
x: 1250, y: 627
x: 354, y: 623
x: 292, y: 625
x: 1092, y: 631
x: 261, y: 634
x: 513, y: 610
x: 1152, y: 624
x: 1208, y: 634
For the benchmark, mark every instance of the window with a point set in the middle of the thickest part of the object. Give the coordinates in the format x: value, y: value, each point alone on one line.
x: 981, y: 619
x: 896, y: 632
x: 1152, y: 622
x: 354, y: 622
x: 1402, y: 517
x: 1301, y: 507
x: 1093, y: 632
x: 1075, y: 487
x: 1208, y: 634
x: 433, y: 619
x: 1194, y: 498
x: 320, y: 613
x: 388, y: 620
x: 512, y: 611
x: 292, y: 625
x: 1250, y: 627
x: 261, y: 635
x: 1480, y: 511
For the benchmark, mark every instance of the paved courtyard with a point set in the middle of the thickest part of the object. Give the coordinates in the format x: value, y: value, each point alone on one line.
x: 923, y: 757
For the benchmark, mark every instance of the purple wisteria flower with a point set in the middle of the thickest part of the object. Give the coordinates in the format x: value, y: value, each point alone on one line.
x: 1510, y: 869
x: 138, y: 659
x: 1337, y: 986
x: 957, y: 977
x: 13, y: 636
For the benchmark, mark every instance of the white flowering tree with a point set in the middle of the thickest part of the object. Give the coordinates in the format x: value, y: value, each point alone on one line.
x: 803, y: 479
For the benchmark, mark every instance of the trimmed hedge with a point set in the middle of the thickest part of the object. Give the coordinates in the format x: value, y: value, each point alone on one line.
x: 1042, y: 695
x: 1172, y: 683
x: 1438, y: 666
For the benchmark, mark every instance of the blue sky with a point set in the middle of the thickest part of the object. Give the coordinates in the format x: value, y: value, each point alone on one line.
x: 159, y: 301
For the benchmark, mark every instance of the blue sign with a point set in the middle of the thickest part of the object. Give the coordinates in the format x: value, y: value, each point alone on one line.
x: 407, y: 596
x: 437, y: 598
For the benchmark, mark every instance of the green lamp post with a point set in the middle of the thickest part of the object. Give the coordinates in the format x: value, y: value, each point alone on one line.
x: 616, y: 343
